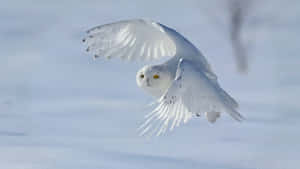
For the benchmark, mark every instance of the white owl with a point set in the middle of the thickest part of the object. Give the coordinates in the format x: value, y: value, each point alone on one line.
x: 183, y: 86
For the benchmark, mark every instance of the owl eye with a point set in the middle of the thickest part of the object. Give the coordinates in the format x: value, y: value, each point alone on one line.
x: 142, y: 76
x: 155, y: 76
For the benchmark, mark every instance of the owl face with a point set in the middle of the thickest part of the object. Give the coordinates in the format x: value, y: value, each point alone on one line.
x: 154, y: 80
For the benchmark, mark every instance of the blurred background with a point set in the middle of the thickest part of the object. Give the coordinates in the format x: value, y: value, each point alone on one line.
x: 60, y: 109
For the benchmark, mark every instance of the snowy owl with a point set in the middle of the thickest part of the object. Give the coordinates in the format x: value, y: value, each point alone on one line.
x: 183, y: 86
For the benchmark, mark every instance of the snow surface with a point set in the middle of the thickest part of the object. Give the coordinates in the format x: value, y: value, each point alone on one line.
x: 60, y: 109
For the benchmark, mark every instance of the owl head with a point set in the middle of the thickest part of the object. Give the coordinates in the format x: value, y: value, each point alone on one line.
x: 154, y: 79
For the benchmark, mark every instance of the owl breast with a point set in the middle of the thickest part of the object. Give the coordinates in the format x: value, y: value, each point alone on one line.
x: 155, y: 92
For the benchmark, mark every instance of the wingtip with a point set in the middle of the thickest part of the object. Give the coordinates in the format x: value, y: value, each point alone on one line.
x: 235, y: 115
x: 240, y: 118
x: 243, y: 118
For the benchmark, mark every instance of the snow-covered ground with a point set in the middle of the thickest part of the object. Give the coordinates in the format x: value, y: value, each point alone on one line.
x: 60, y: 109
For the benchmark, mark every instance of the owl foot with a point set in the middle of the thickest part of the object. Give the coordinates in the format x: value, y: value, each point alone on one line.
x: 212, y: 116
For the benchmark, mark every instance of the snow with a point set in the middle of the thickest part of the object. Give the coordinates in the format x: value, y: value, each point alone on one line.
x: 60, y: 109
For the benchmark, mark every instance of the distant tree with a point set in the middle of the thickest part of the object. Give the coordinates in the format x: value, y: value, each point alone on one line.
x: 232, y: 15
x: 238, y: 11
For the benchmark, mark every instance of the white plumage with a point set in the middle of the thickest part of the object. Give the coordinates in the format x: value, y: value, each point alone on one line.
x: 136, y: 39
x: 184, y: 85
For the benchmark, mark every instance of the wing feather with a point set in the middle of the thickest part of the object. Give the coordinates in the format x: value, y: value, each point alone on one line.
x: 133, y: 34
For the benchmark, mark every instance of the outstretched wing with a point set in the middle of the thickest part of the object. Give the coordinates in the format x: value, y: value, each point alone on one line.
x: 131, y: 40
x: 142, y: 40
x: 192, y: 92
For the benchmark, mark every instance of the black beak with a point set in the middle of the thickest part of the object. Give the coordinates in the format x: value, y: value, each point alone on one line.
x: 147, y: 82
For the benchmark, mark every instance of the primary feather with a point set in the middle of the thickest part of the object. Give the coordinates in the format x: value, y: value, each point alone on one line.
x: 132, y: 40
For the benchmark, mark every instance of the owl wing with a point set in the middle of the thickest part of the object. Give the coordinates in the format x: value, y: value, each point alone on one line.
x: 191, y: 93
x: 141, y: 40
x: 130, y: 40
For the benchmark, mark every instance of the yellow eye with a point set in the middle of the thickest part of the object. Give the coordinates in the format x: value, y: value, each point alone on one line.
x: 155, y: 76
x: 142, y: 76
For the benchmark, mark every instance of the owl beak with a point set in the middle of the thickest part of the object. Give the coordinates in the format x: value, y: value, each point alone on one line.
x: 147, y: 82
